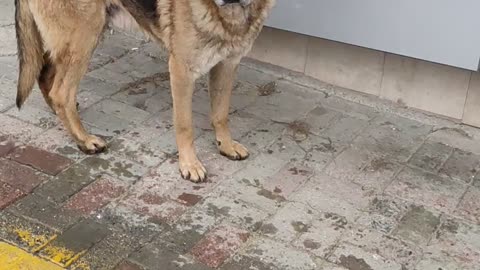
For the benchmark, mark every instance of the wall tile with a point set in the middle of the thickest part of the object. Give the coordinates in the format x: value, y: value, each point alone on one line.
x: 427, y: 86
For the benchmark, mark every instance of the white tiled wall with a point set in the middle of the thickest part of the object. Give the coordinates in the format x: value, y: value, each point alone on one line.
x: 436, y: 88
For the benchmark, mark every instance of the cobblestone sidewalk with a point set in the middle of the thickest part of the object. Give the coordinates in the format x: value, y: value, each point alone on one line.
x: 330, y: 184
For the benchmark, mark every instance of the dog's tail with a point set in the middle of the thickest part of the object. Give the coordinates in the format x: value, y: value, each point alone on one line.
x: 30, y: 50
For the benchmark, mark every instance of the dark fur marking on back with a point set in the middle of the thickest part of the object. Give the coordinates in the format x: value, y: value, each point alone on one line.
x: 112, y: 10
x: 142, y: 8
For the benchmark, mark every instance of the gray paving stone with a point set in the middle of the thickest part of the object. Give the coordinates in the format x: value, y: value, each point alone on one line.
x: 368, y: 169
x: 352, y: 257
x: 322, y: 235
x: 286, y: 225
x: 44, y: 211
x: 99, y: 87
x: 393, y: 137
x: 383, y: 214
x: 152, y: 257
x: 431, y: 190
x: 455, y: 246
x: 17, y: 129
x: 431, y: 156
x: 278, y: 255
x: 327, y: 194
x: 462, y: 165
x: 381, y: 245
x: 8, y: 46
x: 417, y: 226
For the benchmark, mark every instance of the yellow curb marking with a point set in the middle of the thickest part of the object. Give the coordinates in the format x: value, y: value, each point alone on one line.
x: 33, y: 241
x: 14, y: 258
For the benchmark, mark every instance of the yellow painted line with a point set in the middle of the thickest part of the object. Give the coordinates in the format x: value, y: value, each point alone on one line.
x: 14, y: 258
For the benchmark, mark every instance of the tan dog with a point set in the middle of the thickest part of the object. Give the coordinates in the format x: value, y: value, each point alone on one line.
x: 56, y: 39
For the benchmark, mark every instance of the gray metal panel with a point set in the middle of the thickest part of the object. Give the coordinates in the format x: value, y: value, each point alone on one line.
x: 442, y: 31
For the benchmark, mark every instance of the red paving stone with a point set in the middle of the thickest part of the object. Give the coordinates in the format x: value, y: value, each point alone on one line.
x: 128, y: 266
x: 19, y: 176
x: 219, y: 245
x: 6, y: 146
x: 96, y: 195
x: 42, y: 160
x: 8, y: 195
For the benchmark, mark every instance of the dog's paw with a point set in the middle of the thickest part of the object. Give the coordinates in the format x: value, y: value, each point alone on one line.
x: 193, y: 171
x: 233, y: 150
x: 93, y: 145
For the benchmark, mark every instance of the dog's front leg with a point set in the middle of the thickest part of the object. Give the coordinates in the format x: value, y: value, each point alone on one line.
x: 222, y: 78
x: 182, y: 84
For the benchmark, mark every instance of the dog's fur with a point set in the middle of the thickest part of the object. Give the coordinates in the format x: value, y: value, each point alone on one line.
x: 56, y: 39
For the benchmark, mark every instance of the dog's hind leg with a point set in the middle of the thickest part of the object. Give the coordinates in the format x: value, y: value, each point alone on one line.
x: 222, y: 78
x: 45, y: 80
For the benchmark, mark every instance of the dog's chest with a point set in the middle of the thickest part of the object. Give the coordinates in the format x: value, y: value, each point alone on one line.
x: 209, y: 56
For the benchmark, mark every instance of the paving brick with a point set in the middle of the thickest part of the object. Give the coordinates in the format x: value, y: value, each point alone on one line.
x: 327, y: 194
x: 384, y: 246
x: 140, y: 153
x: 219, y: 245
x: 156, y: 209
x: 368, y: 169
x: 99, y: 87
x: 38, y: 208
x: 260, y: 168
x: 121, y: 111
x: 234, y: 210
x: 352, y: 257
x: 251, y: 192
x: 417, y: 226
x: 19, y: 130
x: 8, y: 195
x: 130, y: 223
x: 277, y: 255
x: 457, y: 136
x: 118, y: 167
x: 6, y: 146
x: 427, y: 189
x: 455, y: 246
x: 23, y: 233
x: 96, y: 195
x: 58, y: 140
x: 287, y: 180
x: 344, y: 129
x: 286, y: 149
x: 189, y: 229
x: 126, y: 265
x: 393, y: 137
x: 110, y: 251
x: 262, y: 136
x: 281, y: 106
x: 431, y: 156
x: 321, y: 236
x: 350, y: 108
x: 111, y: 76
x: 71, y: 244
x: 145, y: 65
x: 19, y: 176
x: 244, y: 262
x: 66, y: 183
x: 462, y: 166
x: 383, y: 214
x: 469, y: 207
x: 319, y: 119
x: 44, y: 161
x: 147, y: 97
x: 41, y: 117
x: 289, y: 222
x: 151, y: 256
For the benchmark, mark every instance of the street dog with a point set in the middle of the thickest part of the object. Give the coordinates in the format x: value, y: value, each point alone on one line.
x: 56, y: 40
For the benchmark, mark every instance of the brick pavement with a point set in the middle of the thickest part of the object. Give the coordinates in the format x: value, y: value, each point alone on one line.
x: 330, y: 184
